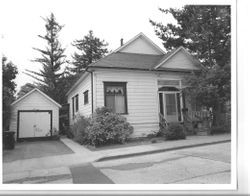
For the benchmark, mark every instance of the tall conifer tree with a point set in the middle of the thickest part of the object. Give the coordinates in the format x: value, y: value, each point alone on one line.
x: 51, y: 59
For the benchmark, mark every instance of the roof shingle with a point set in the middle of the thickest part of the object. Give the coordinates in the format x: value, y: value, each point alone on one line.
x: 129, y: 60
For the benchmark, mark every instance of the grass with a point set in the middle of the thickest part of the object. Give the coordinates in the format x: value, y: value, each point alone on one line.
x: 129, y: 143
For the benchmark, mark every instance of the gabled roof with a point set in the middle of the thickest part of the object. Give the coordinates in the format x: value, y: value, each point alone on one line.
x: 43, y: 94
x: 135, y: 38
x: 174, y: 52
x: 129, y: 60
x: 125, y: 60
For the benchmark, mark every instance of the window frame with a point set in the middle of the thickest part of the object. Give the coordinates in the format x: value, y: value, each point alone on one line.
x: 73, y: 107
x: 120, y: 84
x: 84, y: 97
x: 77, y: 103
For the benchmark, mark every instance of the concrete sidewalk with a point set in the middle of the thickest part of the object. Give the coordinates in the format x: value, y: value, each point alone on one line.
x: 25, y: 170
x: 190, y: 141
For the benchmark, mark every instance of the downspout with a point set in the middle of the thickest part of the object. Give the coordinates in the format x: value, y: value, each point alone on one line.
x: 92, y: 92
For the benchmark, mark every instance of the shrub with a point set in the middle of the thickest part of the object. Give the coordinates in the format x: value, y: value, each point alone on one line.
x: 55, y: 134
x: 107, y: 127
x: 151, y: 135
x: 174, y: 131
x: 220, y: 129
x: 78, y: 129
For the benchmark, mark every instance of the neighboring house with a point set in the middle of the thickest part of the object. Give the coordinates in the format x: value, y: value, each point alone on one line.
x: 34, y: 115
x: 139, y: 81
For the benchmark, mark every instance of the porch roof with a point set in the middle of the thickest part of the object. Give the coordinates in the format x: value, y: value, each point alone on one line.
x: 168, y: 88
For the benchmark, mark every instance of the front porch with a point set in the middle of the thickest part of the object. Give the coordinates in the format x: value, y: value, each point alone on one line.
x: 177, y: 107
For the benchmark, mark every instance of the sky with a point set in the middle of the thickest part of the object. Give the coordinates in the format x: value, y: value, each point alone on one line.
x: 21, y: 21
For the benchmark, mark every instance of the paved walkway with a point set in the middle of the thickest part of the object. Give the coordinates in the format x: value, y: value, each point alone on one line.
x: 55, y: 169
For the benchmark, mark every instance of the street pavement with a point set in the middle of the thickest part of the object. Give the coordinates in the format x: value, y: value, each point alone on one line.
x: 203, y: 164
x: 198, y: 165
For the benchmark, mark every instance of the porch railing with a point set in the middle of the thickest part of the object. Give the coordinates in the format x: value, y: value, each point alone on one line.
x: 197, y: 115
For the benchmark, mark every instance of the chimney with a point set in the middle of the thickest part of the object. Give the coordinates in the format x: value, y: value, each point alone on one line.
x: 121, y: 41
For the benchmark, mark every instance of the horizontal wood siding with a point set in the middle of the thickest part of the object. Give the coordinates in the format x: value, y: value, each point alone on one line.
x: 85, y: 110
x: 34, y: 101
x: 142, y: 96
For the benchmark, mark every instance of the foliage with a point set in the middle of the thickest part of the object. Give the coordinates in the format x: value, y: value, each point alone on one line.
x: 210, y: 88
x: 25, y: 89
x: 78, y: 129
x: 105, y: 127
x: 153, y: 141
x: 174, y: 131
x: 102, y: 111
x: 52, y: 58
x: 55, y: 132
x: 9, y: 72
x: 220, y: 129
x: 90, y: 49
x: 65, y: 82
x: 108, y: 128
x: 206, y: 32
x: 158, y: 133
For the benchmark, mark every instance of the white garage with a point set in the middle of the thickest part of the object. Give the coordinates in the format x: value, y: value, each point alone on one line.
x: 34, y: 115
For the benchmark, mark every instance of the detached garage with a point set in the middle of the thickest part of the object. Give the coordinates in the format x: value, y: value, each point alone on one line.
x: 34, y: 115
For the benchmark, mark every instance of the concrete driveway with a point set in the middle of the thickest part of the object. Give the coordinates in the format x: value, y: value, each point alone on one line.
x: 36, y: 149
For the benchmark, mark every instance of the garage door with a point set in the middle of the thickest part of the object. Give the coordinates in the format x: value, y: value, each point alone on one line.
x: 34, y: 124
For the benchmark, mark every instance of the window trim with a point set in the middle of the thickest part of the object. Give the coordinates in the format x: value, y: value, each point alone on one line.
x: 84, y: 94
x: 121, y: 84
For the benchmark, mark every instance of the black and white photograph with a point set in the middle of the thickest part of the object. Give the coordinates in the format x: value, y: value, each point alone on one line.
x: 119, y: 95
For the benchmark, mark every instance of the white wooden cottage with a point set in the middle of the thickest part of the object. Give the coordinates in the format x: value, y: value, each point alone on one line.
x: 138, y: 80
x: 34, y: 115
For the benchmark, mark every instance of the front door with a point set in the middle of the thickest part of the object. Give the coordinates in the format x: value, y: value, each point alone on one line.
x: 171, y: 113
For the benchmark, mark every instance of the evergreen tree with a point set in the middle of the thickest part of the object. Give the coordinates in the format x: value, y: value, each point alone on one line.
x: 9, y: 71
x: 25, y: 89
x: 90, y: 49
x: 52, y: 58
x: 206, y: 32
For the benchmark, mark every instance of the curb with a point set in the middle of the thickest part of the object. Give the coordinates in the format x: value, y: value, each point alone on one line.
x: 107, y: 158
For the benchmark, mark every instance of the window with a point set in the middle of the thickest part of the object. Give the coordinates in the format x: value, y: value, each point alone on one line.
x: 86, y: 97
x: 115, y: 96
x: 75, y: 105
